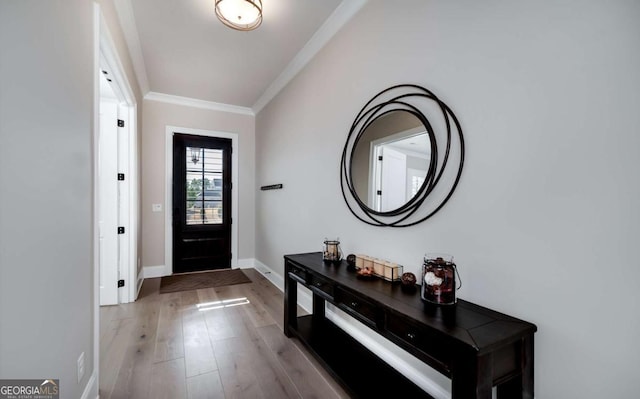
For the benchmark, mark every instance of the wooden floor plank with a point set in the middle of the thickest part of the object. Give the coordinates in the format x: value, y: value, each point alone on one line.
x: 218, y: 326
x: 270, y: 296
x: 205, y: 386
x: 272, y: 379
x: 112, y: 352
x: 169, y: 340
x: 304, y: 374
x: 188, y: 300
x: 256, y: 312
x: 107, y: 319
x: 162, y: 346
x: 198, y: 352
x: 135, y: 373
x: 206, y: 295
x: 168, y: 380
x: 236, y: 373
x: 271, y: 300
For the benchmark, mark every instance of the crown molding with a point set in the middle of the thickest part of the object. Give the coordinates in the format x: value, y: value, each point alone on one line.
x: 194, y: 102
x: 124, y: 9
x: 340, y: 16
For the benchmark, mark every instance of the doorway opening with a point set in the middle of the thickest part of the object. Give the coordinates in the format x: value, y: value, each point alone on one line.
x: 115, y: 178
x: 399, y: 165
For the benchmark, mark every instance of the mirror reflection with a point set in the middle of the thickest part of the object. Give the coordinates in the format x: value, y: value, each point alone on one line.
x: 390, y: 161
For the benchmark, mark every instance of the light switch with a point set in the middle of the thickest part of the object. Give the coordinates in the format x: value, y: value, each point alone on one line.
x: 156, y: 207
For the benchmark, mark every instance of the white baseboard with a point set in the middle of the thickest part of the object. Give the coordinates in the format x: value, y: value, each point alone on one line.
x: 305, y: 300
x: 91, y: 390
x: 376, y: 343
x: 246, y: 263
x: 154, y: 271
x: 275, y: 278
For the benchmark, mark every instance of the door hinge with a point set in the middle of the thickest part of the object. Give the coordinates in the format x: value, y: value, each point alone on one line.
x: 120, y: 283
x: 120, y: 229
x: 120, y: 123
x: 120, y: 176
x: 379, y: 157
x: 379, y: 192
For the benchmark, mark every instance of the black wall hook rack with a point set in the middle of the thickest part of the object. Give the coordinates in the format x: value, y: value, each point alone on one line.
x: 271, y: 187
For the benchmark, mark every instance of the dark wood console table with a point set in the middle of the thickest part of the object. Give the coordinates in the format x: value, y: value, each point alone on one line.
x: 476, y: 347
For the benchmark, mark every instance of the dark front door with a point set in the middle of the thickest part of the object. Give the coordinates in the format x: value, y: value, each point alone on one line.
x: 201, y: 203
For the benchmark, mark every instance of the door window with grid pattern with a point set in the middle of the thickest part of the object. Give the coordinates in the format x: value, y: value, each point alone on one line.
x: 204, y: 186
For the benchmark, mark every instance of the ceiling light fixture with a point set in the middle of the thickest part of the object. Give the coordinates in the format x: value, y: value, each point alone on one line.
x: 244, y: 15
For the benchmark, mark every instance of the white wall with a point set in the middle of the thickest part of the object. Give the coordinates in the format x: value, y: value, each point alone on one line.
x: 46, y: 125
x: 544, y: 223
x: 156, y: 117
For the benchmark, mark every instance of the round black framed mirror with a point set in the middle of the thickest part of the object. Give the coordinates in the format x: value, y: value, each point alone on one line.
x: 402, y: 159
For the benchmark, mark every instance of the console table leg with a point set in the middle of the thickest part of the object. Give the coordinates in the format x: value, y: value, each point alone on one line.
x: 290, y: 304
x: 473, y: 379
x: 318, y: 307
x: 522, y: 385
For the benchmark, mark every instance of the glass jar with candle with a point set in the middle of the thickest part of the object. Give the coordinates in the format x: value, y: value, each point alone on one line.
x: 439, y: 279
x: 331, y: 251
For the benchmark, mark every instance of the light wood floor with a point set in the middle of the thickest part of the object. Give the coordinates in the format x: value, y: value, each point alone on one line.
x: 161, y: 346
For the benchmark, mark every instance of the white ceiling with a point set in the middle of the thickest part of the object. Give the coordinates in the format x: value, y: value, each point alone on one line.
x: 417, y: 145
x: 179, y: 48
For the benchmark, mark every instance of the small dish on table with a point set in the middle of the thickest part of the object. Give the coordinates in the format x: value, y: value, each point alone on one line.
x: 365, y: 273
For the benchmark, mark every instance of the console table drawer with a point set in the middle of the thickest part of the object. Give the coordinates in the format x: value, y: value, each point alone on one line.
x: 358, y: 307
x: 319, y: 284
x: 422, y: 339
x: 298, y: 273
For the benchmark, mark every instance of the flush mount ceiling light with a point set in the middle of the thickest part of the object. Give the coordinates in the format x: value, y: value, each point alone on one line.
x: 241, y: 15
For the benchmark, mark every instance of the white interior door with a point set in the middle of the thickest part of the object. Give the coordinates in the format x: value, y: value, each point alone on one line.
x: 393, y: 179
x: 108, y: 202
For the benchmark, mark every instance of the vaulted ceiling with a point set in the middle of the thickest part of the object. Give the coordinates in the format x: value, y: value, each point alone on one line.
x: 180, y: 48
